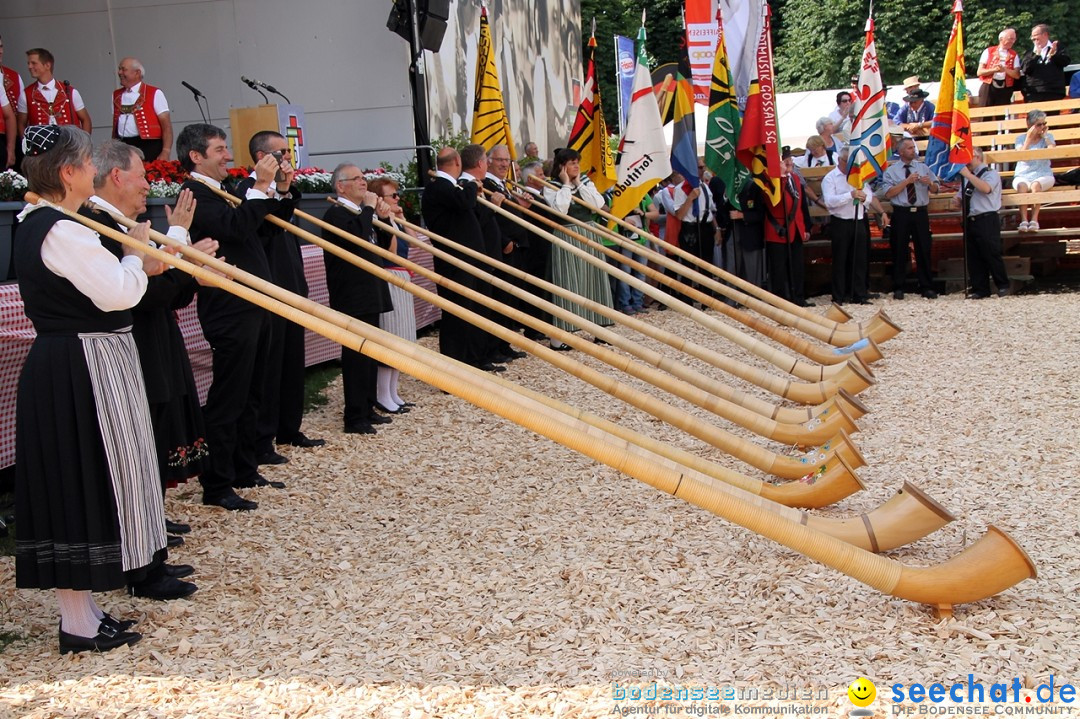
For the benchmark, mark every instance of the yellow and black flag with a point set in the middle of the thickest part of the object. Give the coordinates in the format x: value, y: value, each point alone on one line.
x: 589, y: 137
x: 490, y: 126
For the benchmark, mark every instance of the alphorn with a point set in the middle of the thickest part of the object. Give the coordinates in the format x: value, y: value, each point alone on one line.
x: 879, y: 328
x: 907, y: 516
x: 992, y: 564
x: 802, y: 369
x: 818, y: 462
x: 865, y: 349
x: 802, y: 392
x: 827, y: 425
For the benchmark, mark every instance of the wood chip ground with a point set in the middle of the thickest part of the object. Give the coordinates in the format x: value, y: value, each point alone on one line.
x: 456, y: 565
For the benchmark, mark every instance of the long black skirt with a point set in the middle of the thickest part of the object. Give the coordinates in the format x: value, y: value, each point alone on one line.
x: 68, y: 512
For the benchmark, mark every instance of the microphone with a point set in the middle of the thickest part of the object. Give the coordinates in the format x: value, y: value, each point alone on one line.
x: 194, y: 90
x: 269, y: 88
x: 254, y: 85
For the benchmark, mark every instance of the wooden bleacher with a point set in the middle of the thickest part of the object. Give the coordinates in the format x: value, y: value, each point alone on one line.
x: 995, y: 129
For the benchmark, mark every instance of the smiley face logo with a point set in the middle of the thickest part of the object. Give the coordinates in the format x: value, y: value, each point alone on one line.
x: 862, y: 692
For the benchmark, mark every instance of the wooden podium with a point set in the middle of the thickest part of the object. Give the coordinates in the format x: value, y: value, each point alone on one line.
x: 286, y: 119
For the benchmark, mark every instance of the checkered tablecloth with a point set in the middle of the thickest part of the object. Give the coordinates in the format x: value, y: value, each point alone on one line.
x: 17, y: 334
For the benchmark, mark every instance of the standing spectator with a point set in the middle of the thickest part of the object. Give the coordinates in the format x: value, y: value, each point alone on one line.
x: 849, y: 230
x: 1033, y: 175
x: 980, y: 198
x: 532, y: 153
x: 747, y: 242
x: 1043, y: 67
x: 842, y: 111
x: 13, y: 90
x: 47, y: 102
x: 141, y: 113
x: 916, y: 115
x: 999, y: 69
x: 785, y: 232
x: 908, y: 184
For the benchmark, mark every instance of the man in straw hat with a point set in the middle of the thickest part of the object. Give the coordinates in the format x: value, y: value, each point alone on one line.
x: 916, y: 115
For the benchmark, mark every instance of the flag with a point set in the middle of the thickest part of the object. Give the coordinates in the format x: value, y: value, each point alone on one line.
x: 490, y: 126
x: 643, y: 152
x: 683, y: 136
x: 626, y: 62
x: 589, y: 136
x: 869, y: 139
x: 701, y: 39
x: 722, y: 131
x: 759, y: 140
x: 949, y: 147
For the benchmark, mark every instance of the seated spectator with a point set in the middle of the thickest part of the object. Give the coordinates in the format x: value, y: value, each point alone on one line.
x: 826, y: 128
x: 1033, y: 175
x: 817, y: 154
x: 916, y: 115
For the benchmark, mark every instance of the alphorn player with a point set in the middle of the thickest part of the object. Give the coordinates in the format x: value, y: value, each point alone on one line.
x: 120, y: 187
x: 238, y: 331
x: 87, y: 493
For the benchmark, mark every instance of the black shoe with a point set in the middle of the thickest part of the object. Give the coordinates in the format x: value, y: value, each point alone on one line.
x: 120, y: 625
x: 861, y: 302
x: 873, y: 296
x: 488, y: 367
x: 598, y: 341
x: 514, y: 354
x: 257, y: 481
x: 177, y: 571
x: 534, y: 335
x: 562, y: 347
x: 1004, y: 292
x: 163, y: 589
x: 977, y: 296
x: 407, y: 404
x: 107, y: 638
x: 174, y: 541
x: 302, y: 440
x: 176, y: 527
x: 498, y: 358
x: 929, y: 294
x: 378, y: 419
x: 271, y: 457
x: 359, y: 428
x: 898, y: 295
x: 382, y: 408
x: 232, y: 502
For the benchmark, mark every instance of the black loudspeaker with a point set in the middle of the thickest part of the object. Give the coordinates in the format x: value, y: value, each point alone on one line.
x: 431, y: 16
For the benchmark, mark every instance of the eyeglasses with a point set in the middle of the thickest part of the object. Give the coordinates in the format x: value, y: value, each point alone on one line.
x: 394, y: 195
x: 351, y: 179
x: 846, y: 99
x: 1040, y: 124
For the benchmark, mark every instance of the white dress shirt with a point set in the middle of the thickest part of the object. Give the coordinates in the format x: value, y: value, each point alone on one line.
x: 252, y: 193
x: 836, y: 193
x: 586, y: 191
x: 73, y: 251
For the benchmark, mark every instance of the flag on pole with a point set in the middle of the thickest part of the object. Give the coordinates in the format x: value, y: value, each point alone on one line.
x: 643, y: 152
x: 490, y: 126
x: 626, y: 63
x: 701, y: 40
x: 759, y: 140
x: 589, y: 136
x: 868, y: 139
x: 949, y: 147
x: 683, y: 135
x: 722, y: 130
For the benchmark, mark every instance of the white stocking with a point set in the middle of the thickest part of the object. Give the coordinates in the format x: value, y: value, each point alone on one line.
x: 77, y: 612
x: 382, y: 389
x: 395, y: 375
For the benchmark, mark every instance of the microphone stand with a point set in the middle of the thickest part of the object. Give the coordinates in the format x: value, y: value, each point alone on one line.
x: 266, y: 100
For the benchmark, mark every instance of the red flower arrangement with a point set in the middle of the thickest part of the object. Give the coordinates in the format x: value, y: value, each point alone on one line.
x: 165, y: 171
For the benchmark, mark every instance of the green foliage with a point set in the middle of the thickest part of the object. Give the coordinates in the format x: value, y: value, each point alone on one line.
x: 316, y: 380
x: 819, y: 44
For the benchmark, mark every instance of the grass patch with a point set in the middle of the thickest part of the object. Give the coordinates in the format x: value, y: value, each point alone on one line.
x: 316, y: 380
x: 7, y: 638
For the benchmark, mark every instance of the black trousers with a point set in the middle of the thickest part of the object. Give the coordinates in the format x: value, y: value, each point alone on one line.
x: 359, y: 374
x: 232, y: 405
x: 850, y: 254
x: 914, y: 227
x: 282, y: 408
x: 150, y: 148
x: 984, y: 252
x: 990, y: 96
x: 786, y: 273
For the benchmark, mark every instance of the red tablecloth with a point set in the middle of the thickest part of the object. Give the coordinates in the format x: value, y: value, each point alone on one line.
x: 17, y: 334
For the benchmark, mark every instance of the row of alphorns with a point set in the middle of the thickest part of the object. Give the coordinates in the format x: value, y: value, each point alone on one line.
x: 823, y: 379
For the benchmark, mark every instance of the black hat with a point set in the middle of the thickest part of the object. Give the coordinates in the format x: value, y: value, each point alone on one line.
x: 919, y: 94
x: 39, y: 138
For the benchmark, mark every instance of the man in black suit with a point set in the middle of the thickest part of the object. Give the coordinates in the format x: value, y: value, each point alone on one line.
x: 356, y: 292
x: 282, y: 407
x: 238, y: 331
x: 449, y: 210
